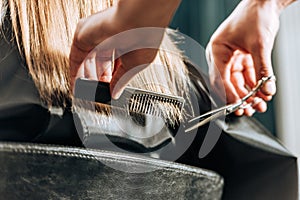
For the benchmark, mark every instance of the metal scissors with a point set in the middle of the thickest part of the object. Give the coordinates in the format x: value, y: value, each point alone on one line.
x: 228, y: 109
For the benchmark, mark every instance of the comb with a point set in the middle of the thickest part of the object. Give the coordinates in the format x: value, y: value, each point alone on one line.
x: 133, y: 100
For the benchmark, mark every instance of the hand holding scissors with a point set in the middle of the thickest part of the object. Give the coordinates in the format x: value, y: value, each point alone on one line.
x: 228, y: 109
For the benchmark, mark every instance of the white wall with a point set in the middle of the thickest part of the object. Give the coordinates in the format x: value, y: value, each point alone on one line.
x: 287, y: 68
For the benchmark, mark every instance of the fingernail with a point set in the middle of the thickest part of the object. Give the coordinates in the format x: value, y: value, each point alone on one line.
x: 115, y: 94
x: 256, y: 101
x: 251, y: 111
x: 269, y: 88
x: 239, y: 112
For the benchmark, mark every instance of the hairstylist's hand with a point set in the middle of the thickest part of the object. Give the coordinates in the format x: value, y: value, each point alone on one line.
x: 119, y: 30
x: 240, y: 50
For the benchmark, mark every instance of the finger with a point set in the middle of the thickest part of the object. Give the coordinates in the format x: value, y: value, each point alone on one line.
x: 118, y: 81
x: 127, y: 66
x: 121, y: 77
x: 238, y: 78
x: 263, y: 65
x: 221, y: 57
x: 238, y: 81
x: 231, y: 92
x: 214, y: 77
x: 106, y: 75
x: 269, y: 88
x: 263, y: 96
x: 90, y: 67
x: 249, y: 71
x: 105, y: 62
x: 249, y: 111
x: 259, y: 105
x: 76, y: 58
x: 79, y: 74
x: 239, y: 112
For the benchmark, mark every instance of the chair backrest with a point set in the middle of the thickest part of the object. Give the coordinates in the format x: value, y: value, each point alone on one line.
x: 30, y: 171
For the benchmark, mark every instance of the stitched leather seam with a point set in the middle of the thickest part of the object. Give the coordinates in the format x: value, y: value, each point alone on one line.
x: 137, y: 162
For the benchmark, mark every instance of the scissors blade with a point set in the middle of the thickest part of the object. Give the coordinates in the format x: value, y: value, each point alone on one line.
x: 224, y: 108
x: 206, y: 120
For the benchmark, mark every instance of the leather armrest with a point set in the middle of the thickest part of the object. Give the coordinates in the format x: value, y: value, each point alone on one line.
x: 51, y: 172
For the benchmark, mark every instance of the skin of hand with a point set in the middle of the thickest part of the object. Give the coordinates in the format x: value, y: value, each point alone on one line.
x: 240, y: 51
x: 126, y: 15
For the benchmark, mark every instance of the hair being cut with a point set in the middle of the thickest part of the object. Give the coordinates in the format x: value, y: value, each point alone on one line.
x: 44, y: 31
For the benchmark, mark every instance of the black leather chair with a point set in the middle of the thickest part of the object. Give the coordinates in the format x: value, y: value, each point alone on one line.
x: 30, y: 171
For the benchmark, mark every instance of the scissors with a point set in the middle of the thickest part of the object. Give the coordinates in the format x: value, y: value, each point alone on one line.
x: 228, y: 109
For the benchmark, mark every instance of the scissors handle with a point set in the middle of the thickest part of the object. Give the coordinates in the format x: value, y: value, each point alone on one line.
x: 260, y: 83
x: 228, y: 109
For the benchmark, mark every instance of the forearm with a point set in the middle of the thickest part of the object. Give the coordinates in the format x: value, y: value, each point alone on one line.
x: 145, y: 13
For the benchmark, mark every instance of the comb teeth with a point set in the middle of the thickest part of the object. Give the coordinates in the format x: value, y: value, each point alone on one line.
x: 152, y: 103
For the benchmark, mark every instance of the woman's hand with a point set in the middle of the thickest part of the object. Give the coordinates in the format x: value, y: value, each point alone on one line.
x: 121, y: 31
x: 240, y: 50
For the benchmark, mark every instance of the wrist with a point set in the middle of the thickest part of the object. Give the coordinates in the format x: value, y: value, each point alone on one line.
x: 279, y: 5
x: 144, y: 13
x: 282, y: 4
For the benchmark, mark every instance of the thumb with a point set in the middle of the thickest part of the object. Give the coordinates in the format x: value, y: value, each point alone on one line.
x: 219, y: 58
x: 123, y: 74
x: 263, y: 67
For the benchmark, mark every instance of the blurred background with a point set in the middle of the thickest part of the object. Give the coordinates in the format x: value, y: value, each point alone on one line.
x: 199, y: 19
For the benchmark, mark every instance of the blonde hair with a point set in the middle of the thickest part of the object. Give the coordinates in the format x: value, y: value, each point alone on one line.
x: 2, y: 11
x: 44, y: 31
